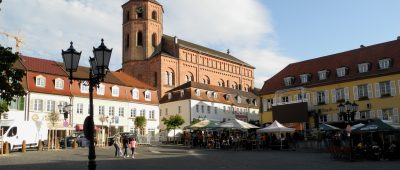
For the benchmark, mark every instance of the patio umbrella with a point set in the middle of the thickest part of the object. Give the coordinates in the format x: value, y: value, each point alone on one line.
x: 205, y: 124
x: 357, y: 126
x: 376, y: 125
x: 327, y: 127
x: 237, y: 124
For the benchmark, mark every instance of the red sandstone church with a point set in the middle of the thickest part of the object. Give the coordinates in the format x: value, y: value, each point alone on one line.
x: 166, y: 62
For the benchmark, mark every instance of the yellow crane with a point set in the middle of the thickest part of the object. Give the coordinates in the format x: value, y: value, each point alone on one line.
x: 18, y: 40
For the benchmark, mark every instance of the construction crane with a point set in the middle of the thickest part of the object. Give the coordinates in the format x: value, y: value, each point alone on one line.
x: 18, y: 40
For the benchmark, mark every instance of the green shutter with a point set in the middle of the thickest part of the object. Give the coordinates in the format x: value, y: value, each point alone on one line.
x: 21, y: 103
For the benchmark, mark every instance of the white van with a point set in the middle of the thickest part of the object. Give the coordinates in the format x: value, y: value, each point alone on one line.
x: 14, y: 132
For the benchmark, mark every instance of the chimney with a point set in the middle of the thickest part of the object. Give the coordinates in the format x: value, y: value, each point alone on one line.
x: 176, y: 40
x: 362, y: 46
x: 228, y: 52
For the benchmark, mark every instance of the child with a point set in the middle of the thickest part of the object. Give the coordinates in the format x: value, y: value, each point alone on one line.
x: 133, y: 145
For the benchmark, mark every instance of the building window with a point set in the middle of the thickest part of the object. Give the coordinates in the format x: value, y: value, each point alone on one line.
x: 40, y: 81
x: 111, y: 111
x: 154, y: 40
x: 362, y: 91
x: 239, y: 99
x: 216, y: 110
x: 288, y: 81
x: 387, y: 114
x: 385, y: 63
x: 363, y: 68
x: 139, y: 39
x: 143, y: 113
x: 198, y: 91
x: 133, y: 112
x: 101, y: 110
x: 135, y: 94
x: 285, y: 99
x: 37, y: 105
x: 151, y: 114
x: 100, y: 89
x: 365, y: 114
x: 197, y: 108
x: 139, y: 12
x: 179, y: 109
x: 59, y: 84
x: 215, y: 94
x: 224, y: 109
x: 169, y: 78
x: 51, y: 106
x: 115, y: 91
x: 208, y: 109
x: 84, y: 87
x: 127, y: 16
x: 127, y: 41
x: 341, y: 72
x: 323, y: 118
x: 305, y: 78
x: 340, y: 96
x: 221, y: 83
x: 385, y: 88
x: 321, y: 97
x: 154, y: 15
x: 202, y: 108
x: 322, y: 75
x: 79, y: 108
x: 206, y: 80
x: 121, y: 111
x: 147, y: 95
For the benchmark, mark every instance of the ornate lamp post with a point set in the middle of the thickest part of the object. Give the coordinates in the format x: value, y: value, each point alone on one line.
x: 347, y: 111
x: 98, y: 70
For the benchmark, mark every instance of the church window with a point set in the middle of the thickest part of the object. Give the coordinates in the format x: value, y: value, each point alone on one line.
x: 169, y: 78
x: 154, y: 15
x: 139, y: 39
x: 127, y: 41
x: 127, y: 16
x: 154, y: 40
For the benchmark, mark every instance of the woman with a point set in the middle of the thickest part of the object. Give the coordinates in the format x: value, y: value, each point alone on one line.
x: 117, y: 145
x: 133, y: 145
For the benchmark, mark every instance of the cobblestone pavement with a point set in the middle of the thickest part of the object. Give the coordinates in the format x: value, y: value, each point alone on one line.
x: 175, y: 157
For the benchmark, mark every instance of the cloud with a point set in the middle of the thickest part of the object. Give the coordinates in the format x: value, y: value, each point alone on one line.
x: 245, y: 27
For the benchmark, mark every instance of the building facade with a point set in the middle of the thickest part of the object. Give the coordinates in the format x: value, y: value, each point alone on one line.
x: 310, y: 91
x: 166, y: 62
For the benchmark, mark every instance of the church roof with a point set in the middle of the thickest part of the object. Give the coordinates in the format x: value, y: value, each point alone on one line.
x: 154, y: 1
x: 193, y: 46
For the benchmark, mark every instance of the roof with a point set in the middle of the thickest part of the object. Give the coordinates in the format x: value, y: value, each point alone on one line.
x: 350, y: 59
x: 42, y: 66
x: 131, y: 81
x: 153, y: 1
x: 186, y: 44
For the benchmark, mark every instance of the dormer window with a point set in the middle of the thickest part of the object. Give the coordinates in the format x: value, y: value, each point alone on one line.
x: 135, y: 94
x: 84, y: 87
x: 239, y: 99
x: 363, y: 67
x: 288, y: 81
x: 209, y: 94
x: 100, y: 89
x: 305, y: 78
x: 323, y: 74
x: 59, y: 84
x: 227, y: 96
x: 385, y: 63
x: 147, y: 95
x: 40, y: 81
x: 115, y: 91
x: 215, y: 94
x: 341, y: 72
x: 197, y: 92
x: 255, y: 102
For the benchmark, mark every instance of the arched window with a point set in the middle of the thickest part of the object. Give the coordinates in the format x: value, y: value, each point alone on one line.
x: 166, y: 78
x: 135, y: 94
x: 206, y: 80
x: 154, y: 40
x: 189, y: 77
x: 171, y: 79
x: 127, y: 16
x: 154, y: 15
x: 139, y: 38
x: 127, y: 41
x: 221, y: 83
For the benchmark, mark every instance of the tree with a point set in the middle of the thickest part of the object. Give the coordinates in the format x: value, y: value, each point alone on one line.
x: 173, y: 122
x: 10, y: 78
x: 53, y: 119
x: 194, y: 121
x: 140, y: 122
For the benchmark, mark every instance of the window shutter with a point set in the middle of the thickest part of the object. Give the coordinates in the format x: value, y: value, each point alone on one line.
x: 31, y: 105
x: 357, y: 116
x: 393, y: 88
x: 315, y: 98
x: 372, y: 114
x: 308, y: 95
x: 355, y: 92
x: 370, y: 92
x: 377, y: 90
x: 396, y: 115
x: 327, y: 96
x: 379, y: 114
x: 346, y: 93
x: 333, y: 94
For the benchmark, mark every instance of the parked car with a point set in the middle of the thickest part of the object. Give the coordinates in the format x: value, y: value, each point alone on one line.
x: 70, y: 141
x: 123, y: 135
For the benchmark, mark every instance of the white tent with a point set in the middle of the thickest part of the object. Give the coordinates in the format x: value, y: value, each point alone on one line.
x: 237, y: 124
x: 275, y: 127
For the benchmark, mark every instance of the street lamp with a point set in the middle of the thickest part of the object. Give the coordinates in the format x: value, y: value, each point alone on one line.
x: 347, y: 112
x: 98, y: 69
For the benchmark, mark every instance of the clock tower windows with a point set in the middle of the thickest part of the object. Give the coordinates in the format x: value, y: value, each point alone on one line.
x: 139, y: 38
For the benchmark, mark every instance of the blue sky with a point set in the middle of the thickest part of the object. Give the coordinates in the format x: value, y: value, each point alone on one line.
x: 268, y: 34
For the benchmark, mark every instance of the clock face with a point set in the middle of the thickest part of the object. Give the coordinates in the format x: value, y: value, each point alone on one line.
x: 139, y: 9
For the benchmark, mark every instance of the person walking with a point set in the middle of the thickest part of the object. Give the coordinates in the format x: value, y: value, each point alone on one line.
x: 133, y: 145
x: 125, y: 143
x: 117, y: 145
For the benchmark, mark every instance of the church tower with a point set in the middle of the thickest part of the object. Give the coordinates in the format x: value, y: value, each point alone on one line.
x: 142, y: 29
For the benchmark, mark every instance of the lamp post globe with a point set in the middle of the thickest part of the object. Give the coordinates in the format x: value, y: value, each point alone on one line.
x: 102, y: 55
x: 71, y: 59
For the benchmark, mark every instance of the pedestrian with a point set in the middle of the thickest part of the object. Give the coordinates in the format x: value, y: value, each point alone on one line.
x: 117, y: 146
x: 125, y: 143
x: 133, y: 145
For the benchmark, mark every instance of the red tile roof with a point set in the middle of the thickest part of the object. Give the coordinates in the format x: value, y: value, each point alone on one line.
x: 131, y: 81
x: 350, y: 59
x: 42, y: 66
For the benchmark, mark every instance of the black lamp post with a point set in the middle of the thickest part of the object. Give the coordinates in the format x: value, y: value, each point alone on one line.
x: 347, y: 112
x: 98, y: 69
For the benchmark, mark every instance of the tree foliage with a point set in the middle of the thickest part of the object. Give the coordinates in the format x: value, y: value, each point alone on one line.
x: 194, y: 121
x: 173, y: 121
x: 10, y: 78
x: 140, y: 122
x: 53, y: 118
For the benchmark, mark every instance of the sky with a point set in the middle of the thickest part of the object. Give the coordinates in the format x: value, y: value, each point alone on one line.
x: 268, y: 34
